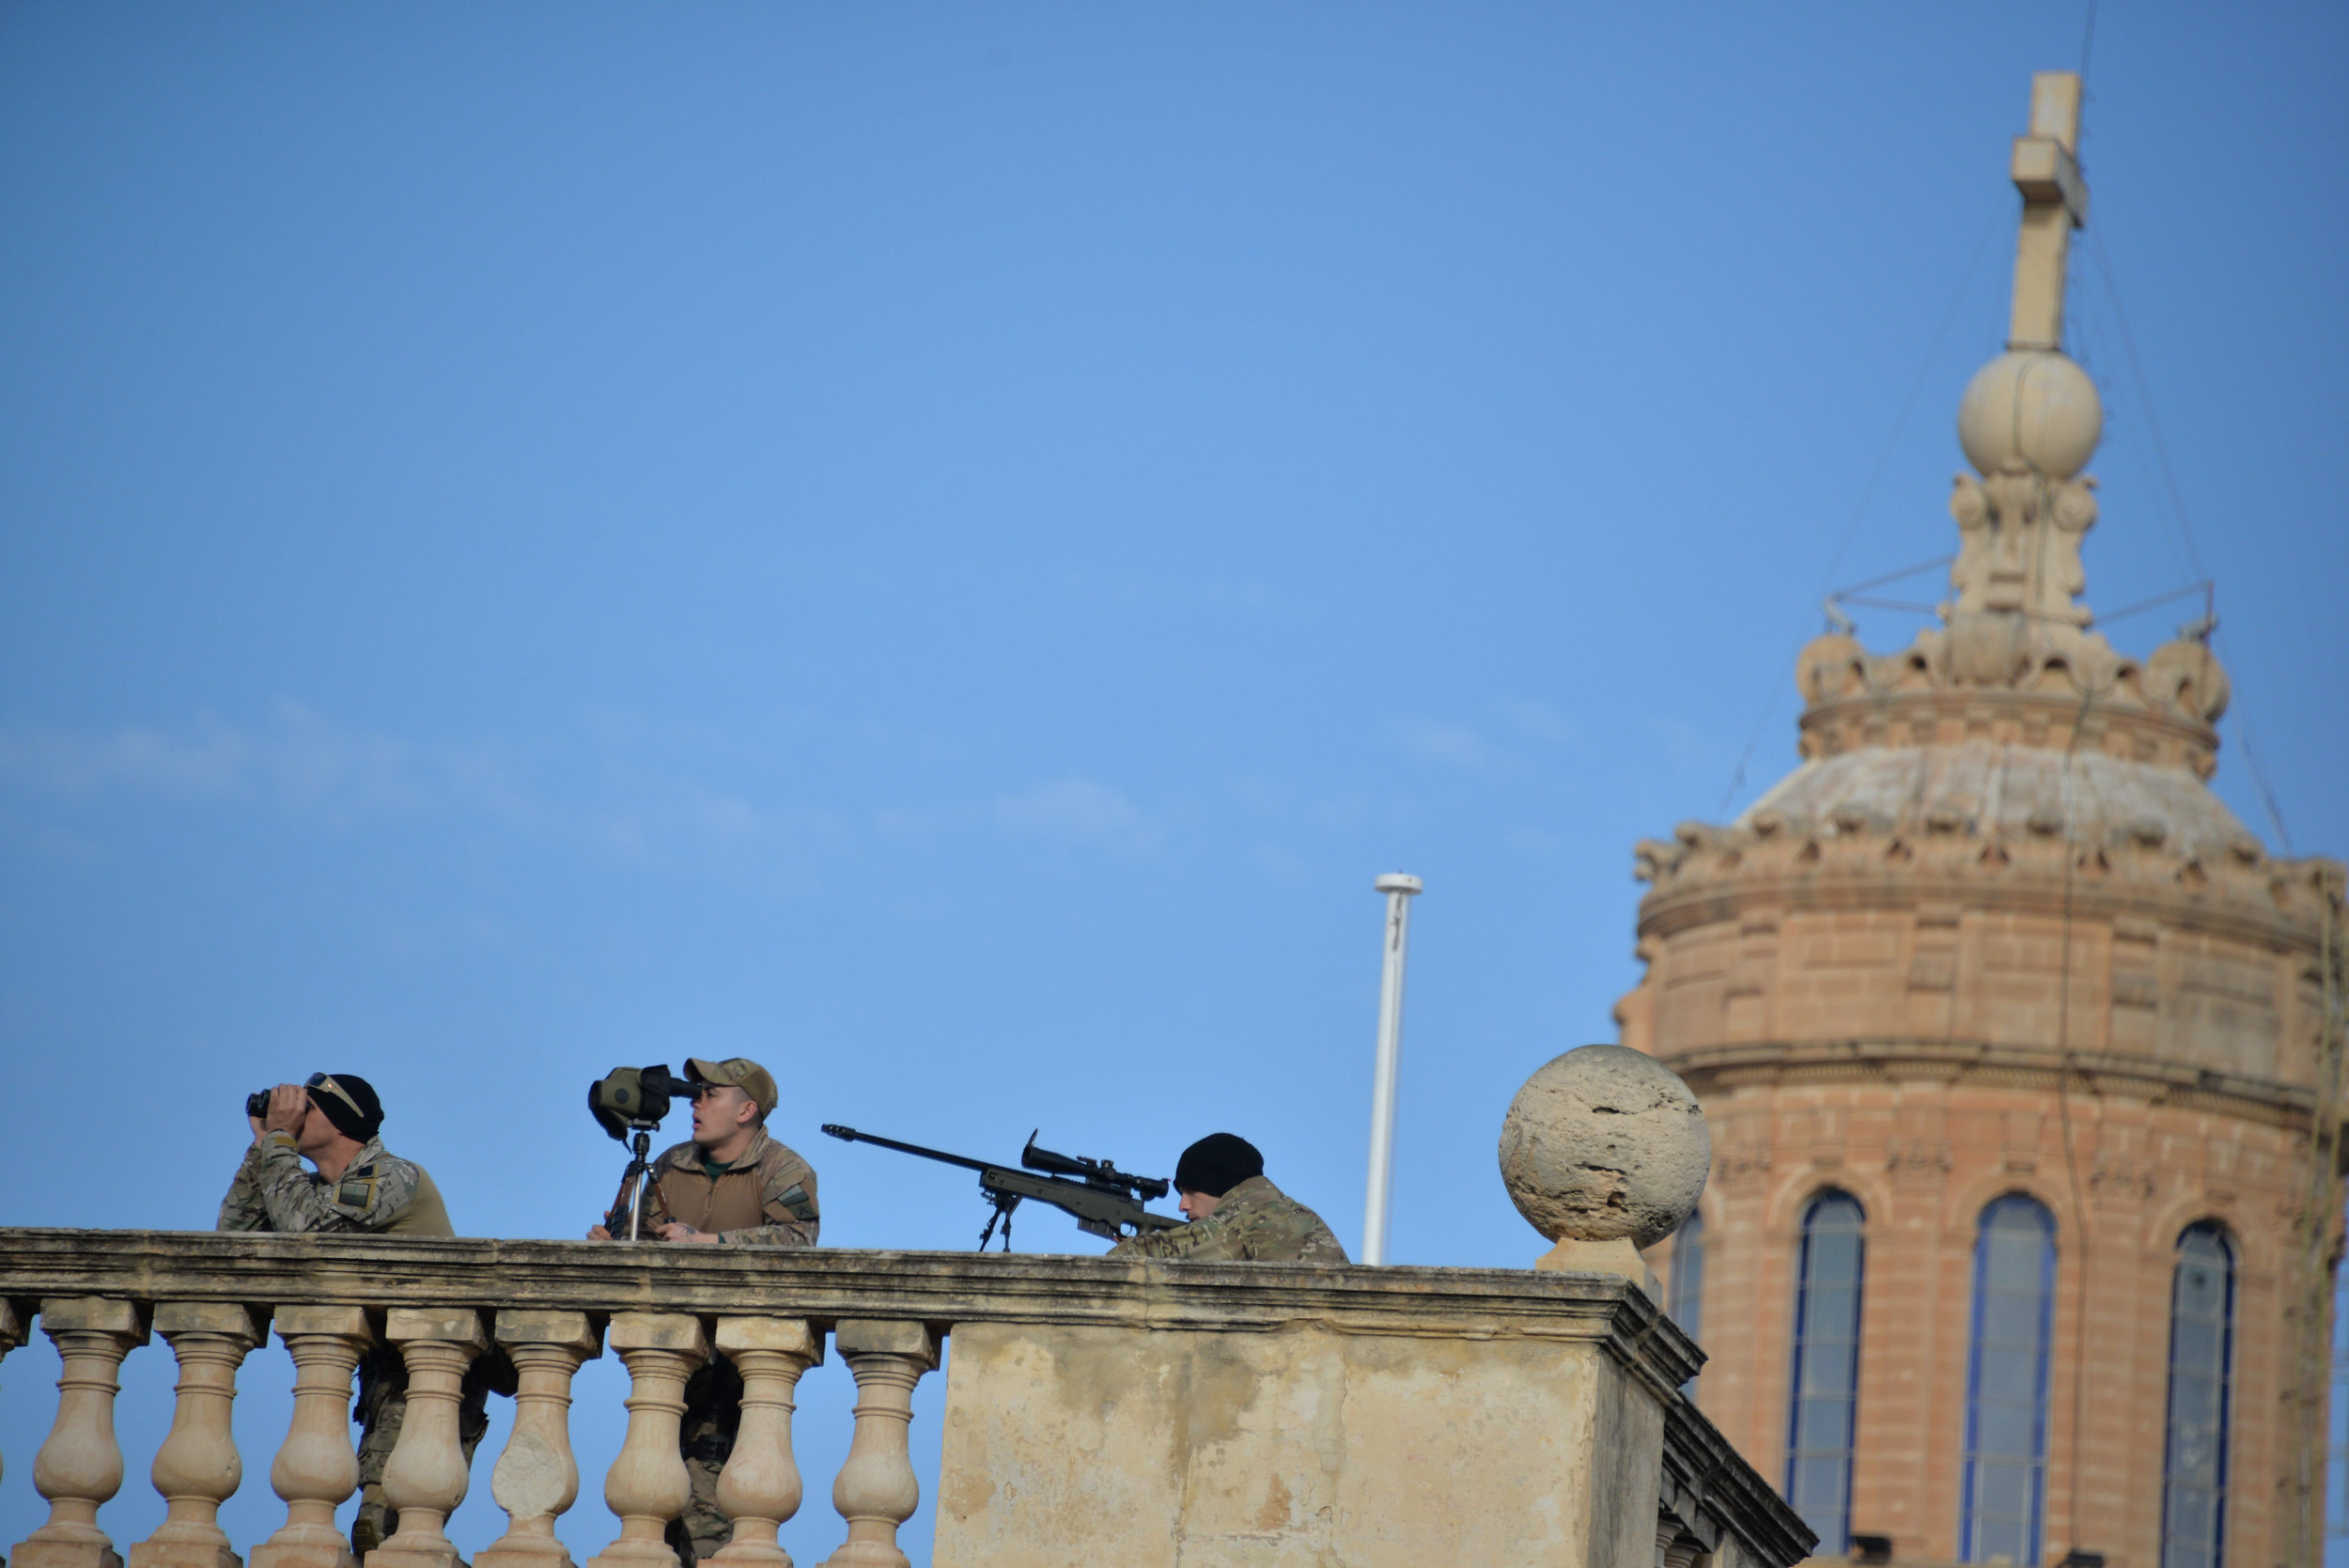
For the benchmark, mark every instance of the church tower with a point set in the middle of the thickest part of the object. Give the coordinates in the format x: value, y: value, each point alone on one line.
x: 2022, y: 1055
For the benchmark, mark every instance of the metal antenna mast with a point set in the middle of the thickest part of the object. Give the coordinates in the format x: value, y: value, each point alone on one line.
x: 1400, y: 889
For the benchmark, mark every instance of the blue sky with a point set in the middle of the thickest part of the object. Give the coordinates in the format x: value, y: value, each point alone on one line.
x: 942, y: 549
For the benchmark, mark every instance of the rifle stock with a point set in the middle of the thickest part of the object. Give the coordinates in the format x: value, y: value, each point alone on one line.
x: 1100, y: 1213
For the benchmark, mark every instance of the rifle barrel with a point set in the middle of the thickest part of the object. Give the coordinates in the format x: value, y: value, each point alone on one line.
x: 849, y: 1135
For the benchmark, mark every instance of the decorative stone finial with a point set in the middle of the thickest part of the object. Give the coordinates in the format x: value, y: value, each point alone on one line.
x: 2031, y: 411
x: 1604, y: 1151
x: 2030, y: 421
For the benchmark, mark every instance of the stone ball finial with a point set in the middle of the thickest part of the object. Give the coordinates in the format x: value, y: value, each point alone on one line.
x: 1603, y: 1143
x: 2187, y: 673
x: 2031, y: 411
x: 1829, y: 667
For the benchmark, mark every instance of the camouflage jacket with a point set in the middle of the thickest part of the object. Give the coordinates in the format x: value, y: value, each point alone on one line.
x: 765, y: 1199
x: 274, y: 1191
x: 1256, y: 1223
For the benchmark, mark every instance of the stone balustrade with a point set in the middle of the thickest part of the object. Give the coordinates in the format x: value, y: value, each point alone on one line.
x: 1098, y: 1411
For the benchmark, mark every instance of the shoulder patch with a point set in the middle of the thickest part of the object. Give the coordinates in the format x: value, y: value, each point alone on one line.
x: 356, y: 1191
x: 795, y: 1199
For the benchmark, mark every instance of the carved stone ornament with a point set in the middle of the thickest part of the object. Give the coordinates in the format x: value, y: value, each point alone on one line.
x: 1604, y: 1143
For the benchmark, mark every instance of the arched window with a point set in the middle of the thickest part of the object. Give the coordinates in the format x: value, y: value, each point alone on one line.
x: 2201, y: 1346
x: 1825, y: 1402
x: 2006, y: 1382
x: 1686, y: 1303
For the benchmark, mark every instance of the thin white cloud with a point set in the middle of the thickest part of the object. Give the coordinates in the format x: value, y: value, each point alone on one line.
x: 1686, y: 748
x: 1469, y: 744
x: 298, y: 761
x: 1080, y: 811
x: 1534, y: 721
x: 212, y: 760
x: 655, y: 795
x: 1449, y: 745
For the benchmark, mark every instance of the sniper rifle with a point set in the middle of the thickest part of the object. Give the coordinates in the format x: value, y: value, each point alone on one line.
x: 1104, y: 1200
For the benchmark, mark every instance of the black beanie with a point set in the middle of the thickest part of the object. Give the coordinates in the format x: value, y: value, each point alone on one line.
x: 1216, y: 1164
x: 355, y: 1110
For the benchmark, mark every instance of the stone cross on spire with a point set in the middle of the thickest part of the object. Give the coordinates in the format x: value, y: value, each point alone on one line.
x: 2030, y: 421
x: 2055, y: 202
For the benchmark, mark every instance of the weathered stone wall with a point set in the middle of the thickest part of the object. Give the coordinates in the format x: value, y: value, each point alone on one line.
x: 1205, y: 1449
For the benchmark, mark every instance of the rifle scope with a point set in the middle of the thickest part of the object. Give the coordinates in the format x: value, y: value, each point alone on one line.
x: 1095, y: 1172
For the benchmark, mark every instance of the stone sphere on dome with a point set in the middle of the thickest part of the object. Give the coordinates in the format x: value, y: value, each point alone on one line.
x: 2031, y: 411
x: 1605, y: 1143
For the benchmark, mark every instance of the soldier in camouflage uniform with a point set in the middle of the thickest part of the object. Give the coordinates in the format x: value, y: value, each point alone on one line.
x: 1235, y: 1215
x: 732, y: 1185
x: 359, y: 1186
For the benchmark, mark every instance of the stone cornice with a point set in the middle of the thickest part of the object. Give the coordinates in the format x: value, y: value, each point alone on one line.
x: 1704, y: 1474
x: 829, y: 1284
x: 1745, y: 879
x: 1752, y: 1062
x: 2046, y: 718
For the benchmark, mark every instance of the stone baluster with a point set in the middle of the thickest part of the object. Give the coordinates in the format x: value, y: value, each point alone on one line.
x: 427, y: 1475
x: 11, y: 1329
x: 876, y: 1491
x: 316, y: 1468
x: 759, y: 1488
x: 647, y: 1486
x: 197, y: 1468
x: 80, y: 1467
x: 537, y: 1478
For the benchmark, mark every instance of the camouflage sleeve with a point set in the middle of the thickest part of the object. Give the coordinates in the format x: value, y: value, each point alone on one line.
x: 789, y: 1211
x: 241, y: 1210
x: 297, y: 1201
x: 1209, y: 1240
x: 1277, y: 1232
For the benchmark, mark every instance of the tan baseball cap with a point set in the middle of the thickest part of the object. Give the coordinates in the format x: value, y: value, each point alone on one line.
x: 740, y: 1071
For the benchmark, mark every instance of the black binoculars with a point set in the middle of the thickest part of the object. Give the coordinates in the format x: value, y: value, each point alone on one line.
x: 257, y: 1106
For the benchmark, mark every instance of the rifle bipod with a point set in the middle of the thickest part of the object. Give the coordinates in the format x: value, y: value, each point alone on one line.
x: 1004, y: 1204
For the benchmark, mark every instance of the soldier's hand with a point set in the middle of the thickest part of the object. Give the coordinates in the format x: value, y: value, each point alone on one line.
x: 597, y: 1232
x: 676, y: 1230
x: 288, y: 1106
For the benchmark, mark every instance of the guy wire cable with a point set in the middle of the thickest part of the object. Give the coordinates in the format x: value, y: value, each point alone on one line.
x: 2174, y: 494
x: 2064, y: 1069
x: 1867, y: 491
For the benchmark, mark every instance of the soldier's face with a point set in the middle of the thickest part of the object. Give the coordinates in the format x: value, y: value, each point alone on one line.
x: 1198, y: 1205
x: 719, y: 1112
x: 316, y: 1132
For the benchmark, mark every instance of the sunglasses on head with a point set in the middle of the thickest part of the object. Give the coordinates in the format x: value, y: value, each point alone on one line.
x: 321, y: 1081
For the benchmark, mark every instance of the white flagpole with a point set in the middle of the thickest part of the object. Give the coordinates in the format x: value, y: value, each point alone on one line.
x: 1399, y: 890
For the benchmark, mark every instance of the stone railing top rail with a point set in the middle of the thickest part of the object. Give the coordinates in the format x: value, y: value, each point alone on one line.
x: 826, y: 1285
